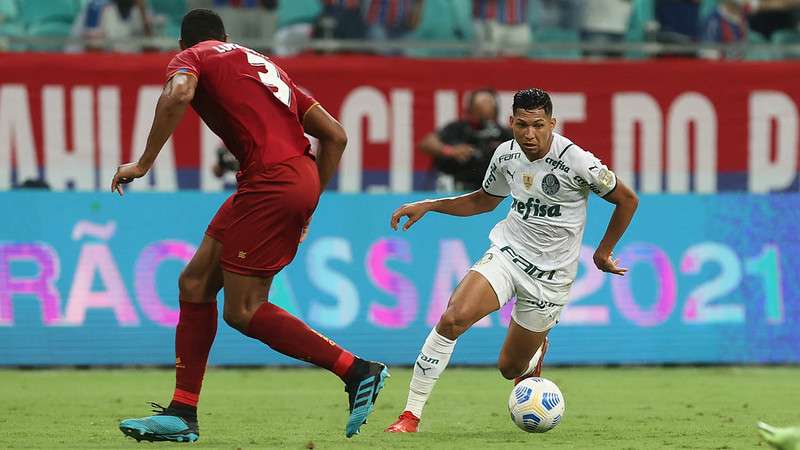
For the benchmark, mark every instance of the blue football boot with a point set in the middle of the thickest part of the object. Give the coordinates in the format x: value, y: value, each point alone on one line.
x: 362, y: 391
x: 167, y: 424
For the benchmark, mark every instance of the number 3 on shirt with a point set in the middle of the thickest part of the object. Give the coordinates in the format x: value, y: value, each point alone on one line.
x: 271, y: 78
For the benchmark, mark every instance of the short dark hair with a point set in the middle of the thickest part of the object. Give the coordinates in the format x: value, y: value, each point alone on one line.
x: 201, y: 25
x: 531, y: 100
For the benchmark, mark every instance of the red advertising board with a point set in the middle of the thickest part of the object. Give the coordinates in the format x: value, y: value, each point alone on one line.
x: 667, y: 126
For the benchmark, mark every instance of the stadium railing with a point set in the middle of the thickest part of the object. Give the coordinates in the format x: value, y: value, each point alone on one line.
x: 629, y: 50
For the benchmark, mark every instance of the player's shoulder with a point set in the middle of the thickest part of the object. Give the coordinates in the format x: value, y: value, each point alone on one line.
x: 568, y: 151
x: 507, y: 151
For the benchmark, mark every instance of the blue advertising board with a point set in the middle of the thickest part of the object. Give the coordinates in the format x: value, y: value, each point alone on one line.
x: 88, y: 278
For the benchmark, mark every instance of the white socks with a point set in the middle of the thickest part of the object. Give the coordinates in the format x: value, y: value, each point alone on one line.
x: 534, y: 361
x: 431, y: 362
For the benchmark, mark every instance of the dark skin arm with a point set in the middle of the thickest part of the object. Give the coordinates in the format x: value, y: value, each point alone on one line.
x: 476, y: 202
x: 626, y: 202
x: 175, y: 98
x: 332, y: 141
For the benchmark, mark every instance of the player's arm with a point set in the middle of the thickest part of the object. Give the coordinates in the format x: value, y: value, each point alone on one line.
x: 332, y: 141
x: 463, y: 205
x: 176, y: 96
x: 626, y: 202
x: 433, y: 145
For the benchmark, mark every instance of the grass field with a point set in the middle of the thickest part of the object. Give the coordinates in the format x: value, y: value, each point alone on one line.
x: 627, y: 408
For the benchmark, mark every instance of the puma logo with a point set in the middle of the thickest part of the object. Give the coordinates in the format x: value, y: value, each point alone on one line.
x: 424, y: 369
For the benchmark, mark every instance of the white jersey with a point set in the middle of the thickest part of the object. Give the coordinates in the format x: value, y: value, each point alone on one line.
x: 544, y: 228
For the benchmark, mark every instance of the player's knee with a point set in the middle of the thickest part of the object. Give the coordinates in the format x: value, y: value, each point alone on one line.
x: 510, y: 369
x: 237, y: 318
x: 452, y: 324
x: 190, y: 286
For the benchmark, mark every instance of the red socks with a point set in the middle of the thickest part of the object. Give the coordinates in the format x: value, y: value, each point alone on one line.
x: 197, y: 327
x: 289, y: 335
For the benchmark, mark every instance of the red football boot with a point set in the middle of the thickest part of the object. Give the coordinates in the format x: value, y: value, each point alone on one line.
x: 406, y: 423
x: 537, y: 371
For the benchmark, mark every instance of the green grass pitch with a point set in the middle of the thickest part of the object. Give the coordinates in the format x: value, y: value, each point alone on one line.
x: 607, y: 408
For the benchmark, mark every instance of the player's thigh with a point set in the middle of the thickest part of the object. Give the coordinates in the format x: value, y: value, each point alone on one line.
x: 473, y: 299
x: 520, y: 345
x: 201, y: 279
x: 244, y: 294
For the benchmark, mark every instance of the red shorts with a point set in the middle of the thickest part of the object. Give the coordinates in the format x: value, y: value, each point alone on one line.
x: 259, y: 226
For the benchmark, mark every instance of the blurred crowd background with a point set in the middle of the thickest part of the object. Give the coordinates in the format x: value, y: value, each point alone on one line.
x: 548, y: 29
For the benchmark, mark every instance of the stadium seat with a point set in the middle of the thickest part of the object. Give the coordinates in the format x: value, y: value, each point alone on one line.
x: 443, y: 21
x: 759, y: 54
x: 173, y: 11
x: 9, y: 11
x: 786, y: 37
x: 41, y: 11
x: 553, y: 36
x: 49, y: 30
x: 707, y: 7
x: 297, y: 11
x: 642, y: 15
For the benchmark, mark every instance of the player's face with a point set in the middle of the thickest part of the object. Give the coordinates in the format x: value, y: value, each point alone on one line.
x: 533, y: 131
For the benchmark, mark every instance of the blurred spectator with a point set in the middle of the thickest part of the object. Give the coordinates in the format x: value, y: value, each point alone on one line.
x: 226, y: 163
x: 392, y: 19
x: 109, y: 25
x: 462, y: 150
x: 249, y: 20
x: 33, y: 183
x: 560, y: 14
x: 605, y: 22
x: 679, y: 20
x: 341, y: 19
x: 769, y: 16
x: 500, y: 24
x: 727, y: 24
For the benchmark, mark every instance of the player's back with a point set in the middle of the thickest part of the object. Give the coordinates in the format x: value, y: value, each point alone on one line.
x: 248, y: 101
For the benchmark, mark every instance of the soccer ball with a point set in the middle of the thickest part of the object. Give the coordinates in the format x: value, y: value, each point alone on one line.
x: 536, y: 405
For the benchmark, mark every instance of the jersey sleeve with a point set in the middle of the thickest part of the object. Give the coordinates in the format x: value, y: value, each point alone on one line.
x: 592, y: 174
x: 304, y: 101
x: 187, y: 62
x: 494, y: 182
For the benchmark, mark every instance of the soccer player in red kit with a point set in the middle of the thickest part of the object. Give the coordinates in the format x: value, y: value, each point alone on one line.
x: 261, y: 116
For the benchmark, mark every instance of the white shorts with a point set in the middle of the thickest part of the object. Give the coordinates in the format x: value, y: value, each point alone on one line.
x: 539, y: 304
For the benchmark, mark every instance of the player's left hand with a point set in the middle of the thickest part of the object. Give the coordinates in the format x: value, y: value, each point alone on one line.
x: 125, y: 174
x: 606, y: 263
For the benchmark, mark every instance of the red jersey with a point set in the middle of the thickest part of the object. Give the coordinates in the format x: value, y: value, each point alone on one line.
x: 248, y: 101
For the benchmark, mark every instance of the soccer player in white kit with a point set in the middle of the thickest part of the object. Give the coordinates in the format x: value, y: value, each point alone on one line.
x: 534, y: 251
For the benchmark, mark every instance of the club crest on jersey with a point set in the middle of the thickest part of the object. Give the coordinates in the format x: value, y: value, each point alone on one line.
x: 486, y: 258
x: 550, y: 184
x: 527, y: 180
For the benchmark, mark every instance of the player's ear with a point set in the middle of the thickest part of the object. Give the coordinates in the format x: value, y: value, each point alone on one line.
x: 552, y: 122
x: 511, y: 121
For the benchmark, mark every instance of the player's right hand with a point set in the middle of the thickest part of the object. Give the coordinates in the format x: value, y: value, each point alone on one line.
x: 414, y: 212
x: 125, y: 174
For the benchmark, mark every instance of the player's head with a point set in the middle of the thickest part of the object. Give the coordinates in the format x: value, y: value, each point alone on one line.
x: 532, y: 121
x: 482, y: 105
x: 201, y: 25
